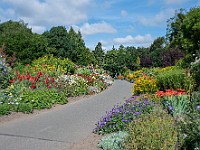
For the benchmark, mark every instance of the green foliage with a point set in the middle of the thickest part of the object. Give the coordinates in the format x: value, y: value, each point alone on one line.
x: 57, y: 38
x: 83, y: 70
x: 4, y: 109
x: 18, y: 38
x: 190, y: 127
x: 156, y: 130
x: 195, y: 70
x: 158, y: 43
x: 156, y: 57
x: 43, y: 98
x: 113, y: 141
x: 68, y: 45
x: 183, y: 32
x: 62, y: 65
x: 25, y: 108
x: 99, y: 54
x: 177, y: 105
x: 171, y: 79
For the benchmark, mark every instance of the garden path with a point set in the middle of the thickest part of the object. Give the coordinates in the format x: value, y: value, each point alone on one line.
x: 60, y: 129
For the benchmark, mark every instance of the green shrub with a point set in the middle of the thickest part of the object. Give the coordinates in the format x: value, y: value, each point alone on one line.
x: 25, y: 108
x: 154, y: 131
x: 171, y: 79
x: 43, y: 98
x: 83, y: 70
x: 48, y: 65
x: 4, y: 109
x: 113, y: 141
x: 195, y: 70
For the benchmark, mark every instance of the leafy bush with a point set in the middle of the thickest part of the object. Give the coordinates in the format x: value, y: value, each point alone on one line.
x: 83, y: 70
x: 43, y: 98
x: 144, y: 85
x: 49, y: 65
x: 121, y: 115
x: 169, y: 78
x: 25, y: 108
x: 156, y: 130
x: 113, y: 141
x: 4, y: 109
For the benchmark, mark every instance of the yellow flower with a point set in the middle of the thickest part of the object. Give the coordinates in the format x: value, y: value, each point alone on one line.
x: 12, y: 87
x: 10, y: 94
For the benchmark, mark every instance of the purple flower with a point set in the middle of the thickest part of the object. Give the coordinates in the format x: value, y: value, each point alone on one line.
x: 137, y: 113
x: 198, y: 107
x: 170, y: 108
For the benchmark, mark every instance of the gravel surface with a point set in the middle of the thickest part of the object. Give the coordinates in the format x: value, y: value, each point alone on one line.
x: 67, y: 127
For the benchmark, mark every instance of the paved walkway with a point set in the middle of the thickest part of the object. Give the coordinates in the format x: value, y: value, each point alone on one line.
x: 60, y: 128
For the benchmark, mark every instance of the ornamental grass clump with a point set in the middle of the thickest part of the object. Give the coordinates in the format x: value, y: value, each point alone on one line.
x: 177, y: 105
x: 145, y: 85
x: 190, y: 127
x: 153, y: 131
x: 121, y: 115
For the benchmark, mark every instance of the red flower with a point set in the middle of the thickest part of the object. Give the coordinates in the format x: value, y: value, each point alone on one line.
x: 28, y: 76
x: 170, y: 92
x: 52, y: 79
x: 49, y: 86
x: 46, y: 80
x: 11, y: 81
x: 26, y: 65
x: 33, y: 86
x: 39, y: 74
x: 32, y: 79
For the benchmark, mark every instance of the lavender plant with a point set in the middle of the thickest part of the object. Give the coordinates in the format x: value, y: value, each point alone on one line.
x: 121, y: 115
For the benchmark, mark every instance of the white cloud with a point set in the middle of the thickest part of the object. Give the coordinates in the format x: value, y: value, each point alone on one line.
x: 158, y: 19
x: 138, y: 40
x: 102, y: 27
x: 48, y: 12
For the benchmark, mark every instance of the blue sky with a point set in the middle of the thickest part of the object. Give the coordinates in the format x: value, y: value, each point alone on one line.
x: 111, y: 22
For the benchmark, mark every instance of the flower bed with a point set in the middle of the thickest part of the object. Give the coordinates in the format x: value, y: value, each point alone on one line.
x: 45, y: 82
x: 172, y: 122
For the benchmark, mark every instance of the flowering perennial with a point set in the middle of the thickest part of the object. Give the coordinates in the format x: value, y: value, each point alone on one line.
x: 121, y: 115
